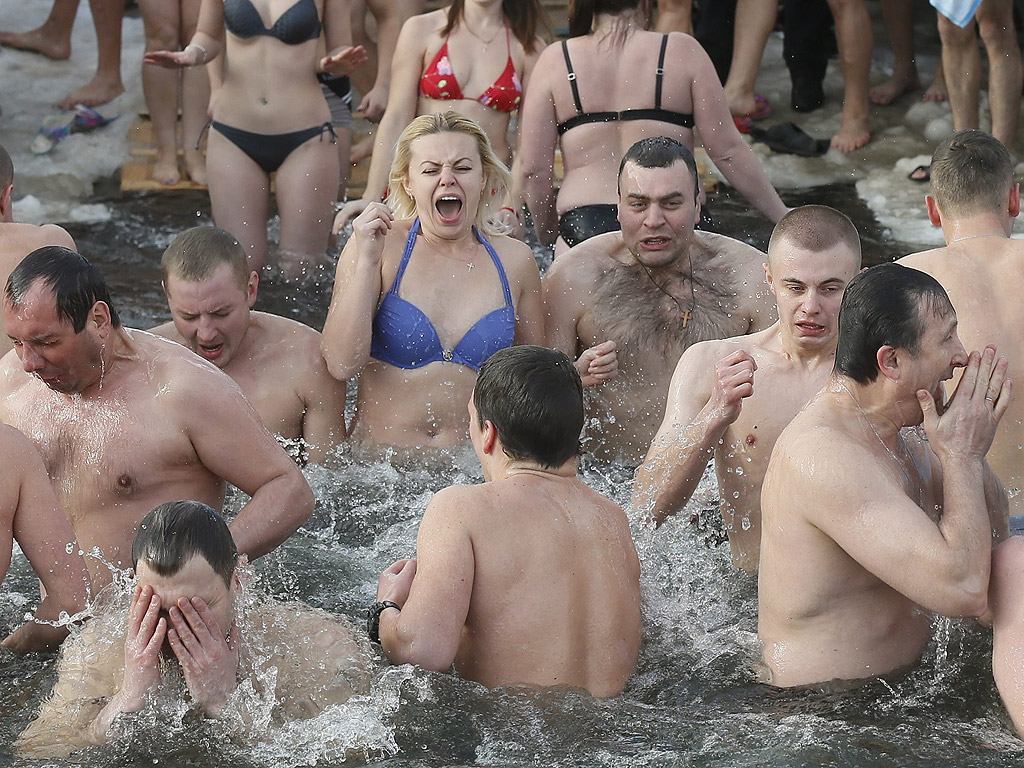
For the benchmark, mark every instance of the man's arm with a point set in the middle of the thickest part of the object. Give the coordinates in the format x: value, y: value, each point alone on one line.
x: 233, y: 444
x: 701, y: 406
x: 323, y: 423
x: 943, y: 567
x: 1007, y: 603
x: 45, y: 536
x: 434, y: 590
x: 390, y: 15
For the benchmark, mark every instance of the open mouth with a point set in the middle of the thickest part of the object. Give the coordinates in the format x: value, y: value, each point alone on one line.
x: 210, y: 352
x: 655, y: 242
x: 449, y: 207
x: 811, y: 328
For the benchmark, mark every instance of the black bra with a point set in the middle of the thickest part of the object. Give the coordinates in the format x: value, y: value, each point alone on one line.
x: 295, y: 26
x: 657, y: 113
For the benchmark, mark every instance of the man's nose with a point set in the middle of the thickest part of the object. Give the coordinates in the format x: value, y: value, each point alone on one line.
x: 31, y: 361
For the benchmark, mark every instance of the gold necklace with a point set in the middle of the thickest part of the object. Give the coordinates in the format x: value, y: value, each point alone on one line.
x: 684, y: 314
x: 486, y: 41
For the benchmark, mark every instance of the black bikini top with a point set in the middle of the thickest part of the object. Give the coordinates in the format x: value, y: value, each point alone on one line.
x: 662, y: 115
x: 293, y: 27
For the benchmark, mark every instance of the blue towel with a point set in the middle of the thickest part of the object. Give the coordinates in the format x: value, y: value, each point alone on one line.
x: 960, y: 12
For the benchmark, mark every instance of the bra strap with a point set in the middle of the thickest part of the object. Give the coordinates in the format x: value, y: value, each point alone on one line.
x: 410, y: 243
x: 659, y: 73
x: 497, y: 265
x: 572, y: 79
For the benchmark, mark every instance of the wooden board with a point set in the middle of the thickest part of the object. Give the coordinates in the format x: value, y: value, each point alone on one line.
x: 137, y: 171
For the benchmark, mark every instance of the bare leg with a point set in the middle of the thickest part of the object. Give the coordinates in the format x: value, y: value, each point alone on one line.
x: 160, y: 86
x: 106, y: 83
x: 853, y: 33
x: 195, y: 98
x: 960, y: 54
x: 937, y: 90
x: 995, y: 23
x: 306, y: 185
x: 239, y: 197
x: 748, y: 47
x: 899, y: 23
x: 675, y: 16
x: 53, y: 38
x: 344, y: 162
x: 363, y: 77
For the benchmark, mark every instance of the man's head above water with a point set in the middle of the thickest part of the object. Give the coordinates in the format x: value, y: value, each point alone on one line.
x: 58, y: 314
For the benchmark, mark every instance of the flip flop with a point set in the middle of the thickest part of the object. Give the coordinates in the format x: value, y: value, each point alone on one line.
x: 742, y: 122
x: 921, y: 174
x: 790, y: 139
x: 762, y: 108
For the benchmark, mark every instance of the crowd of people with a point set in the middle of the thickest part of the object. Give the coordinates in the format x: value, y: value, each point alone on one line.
x: 864, y: 495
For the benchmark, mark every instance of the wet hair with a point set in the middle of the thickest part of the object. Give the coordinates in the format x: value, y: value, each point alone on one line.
x: 170, y: 535
x: 197, y: 253
x: 523, y: 17
x: 6, y: 169
x: 660, y: 152
x: 534, y: 398
x: 815, y: 228
x: 582, y: 12
x: 971, y: 173
x: 76, y: 284
x: 496, y: 175
x: 885, y: 306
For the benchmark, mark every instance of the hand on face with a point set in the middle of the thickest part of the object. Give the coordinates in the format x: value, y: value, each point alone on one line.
x: 968, y: 424
x: 394, y: 584
x: 734, y: 380
x: 146, y: 630
x: 209, y: 660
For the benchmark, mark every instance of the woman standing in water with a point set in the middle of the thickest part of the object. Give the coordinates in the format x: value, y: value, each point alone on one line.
x: 428, y: 288
x: 610, y: 85
x: 474, y: 57
x: 270, y: 117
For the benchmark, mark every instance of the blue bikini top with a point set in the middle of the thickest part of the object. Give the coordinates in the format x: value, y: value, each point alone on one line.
x: 293, y: 27
x: 404, y: 337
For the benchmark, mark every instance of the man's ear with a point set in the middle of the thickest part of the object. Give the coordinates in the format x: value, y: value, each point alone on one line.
x: 99, y: 316
x: 933, y: 211
x: 490, y: 437
x: 5, y: 200
x: 252, y: 289
x: 888, y: 360
x: 1013, y: 201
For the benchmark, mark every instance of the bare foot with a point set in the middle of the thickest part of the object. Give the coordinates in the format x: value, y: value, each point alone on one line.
x: 853, y: 134
x: 195, y: 166
x: 37, y: 41
x: 165, y: 169
x: 895, y: 86
x: 937, y: 90
x: 99, y: 90
x: 361, y: 150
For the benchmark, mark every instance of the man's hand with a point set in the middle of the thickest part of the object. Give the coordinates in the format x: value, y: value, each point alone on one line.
x: 146, y: 630
x: 968, y: 424
x: 394, y: 584
x: 208, y: 659
x: 734, y: 380
x: 373, y: 104
x: 598, y: 363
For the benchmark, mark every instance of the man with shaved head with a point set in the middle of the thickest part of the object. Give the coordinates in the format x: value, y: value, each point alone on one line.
x: 730, y: 399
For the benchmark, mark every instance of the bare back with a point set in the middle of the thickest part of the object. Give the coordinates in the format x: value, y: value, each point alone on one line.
x: 981, y: 277
x: 556, y: 597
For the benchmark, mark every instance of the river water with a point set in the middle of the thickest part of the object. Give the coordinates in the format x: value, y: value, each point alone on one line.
x: 693, y: 700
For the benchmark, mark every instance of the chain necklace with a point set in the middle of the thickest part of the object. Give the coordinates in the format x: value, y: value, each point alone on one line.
x: 909, y: 465
x: 485, y: 41
x: 971, y: 237
x: 684, y: 314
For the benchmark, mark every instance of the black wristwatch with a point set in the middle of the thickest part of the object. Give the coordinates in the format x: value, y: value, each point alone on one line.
x: 373, y: 618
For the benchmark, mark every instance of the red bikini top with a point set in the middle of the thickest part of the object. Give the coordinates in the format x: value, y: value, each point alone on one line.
x: 439, y: 82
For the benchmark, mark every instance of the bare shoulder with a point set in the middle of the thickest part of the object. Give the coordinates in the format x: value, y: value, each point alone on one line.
x: 291, y: 339
x: 178, y: 373
x: 725, y: 249
x: 516, y: 257
x: 167, y: 331
x: 581, y: 264
x: 424, y: 24
x: 927, y: 261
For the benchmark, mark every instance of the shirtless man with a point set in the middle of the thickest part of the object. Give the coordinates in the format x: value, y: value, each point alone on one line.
x: 30, y: 515
x: 531, y: 577
x: 864, y: 531
x: 189, y: 610
x: 718, y: 405
x: 975, y: 200
x: 653, y: 289
x: 276, y: 361
x: 18, y: 240
x: 125, y: 420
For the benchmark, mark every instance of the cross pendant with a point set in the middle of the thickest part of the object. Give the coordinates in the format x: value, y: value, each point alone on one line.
x: 685, y: 316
